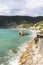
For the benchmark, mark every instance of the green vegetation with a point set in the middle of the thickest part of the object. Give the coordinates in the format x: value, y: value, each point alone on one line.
x: 21, y: 22
x: 41, y: 31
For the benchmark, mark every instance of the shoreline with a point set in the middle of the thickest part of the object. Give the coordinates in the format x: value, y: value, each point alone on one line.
x: 22, y: 29
x: 31, y: 55
x: 24, y: 48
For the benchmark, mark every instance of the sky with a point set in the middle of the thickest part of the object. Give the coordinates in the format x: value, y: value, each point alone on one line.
x: 21, y: 7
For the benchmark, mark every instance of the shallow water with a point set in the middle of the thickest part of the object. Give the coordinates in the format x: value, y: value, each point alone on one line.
x: 10, y: 40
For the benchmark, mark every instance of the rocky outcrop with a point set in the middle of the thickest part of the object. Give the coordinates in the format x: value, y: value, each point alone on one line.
x: 23, y: 33
x: 32, y: 55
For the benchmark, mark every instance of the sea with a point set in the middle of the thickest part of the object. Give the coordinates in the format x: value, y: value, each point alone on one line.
x: 11, y: 40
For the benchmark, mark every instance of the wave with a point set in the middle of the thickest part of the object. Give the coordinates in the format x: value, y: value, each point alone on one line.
x: 15, y: 57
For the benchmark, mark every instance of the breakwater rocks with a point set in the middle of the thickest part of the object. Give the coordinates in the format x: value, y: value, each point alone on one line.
x: 31, y: 55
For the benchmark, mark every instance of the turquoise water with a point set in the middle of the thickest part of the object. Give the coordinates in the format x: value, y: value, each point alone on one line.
x: 9, y: 39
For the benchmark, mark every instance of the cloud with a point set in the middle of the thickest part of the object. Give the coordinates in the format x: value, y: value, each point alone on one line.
x: 6, y: 6
x: 21, y: 7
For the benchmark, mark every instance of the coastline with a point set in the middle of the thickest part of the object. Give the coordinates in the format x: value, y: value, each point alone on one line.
x: 28, y: 53
x: 31, y: 55
x: 33, y: 31
x: 23, y: 48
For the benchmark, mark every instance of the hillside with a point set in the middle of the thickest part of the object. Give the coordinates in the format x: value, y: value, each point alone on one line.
x: 13, y: 21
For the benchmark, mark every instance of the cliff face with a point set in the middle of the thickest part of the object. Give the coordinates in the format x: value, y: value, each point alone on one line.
x: 13, y: 21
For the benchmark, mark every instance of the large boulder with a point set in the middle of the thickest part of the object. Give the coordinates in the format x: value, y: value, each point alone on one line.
x: 23, y: 33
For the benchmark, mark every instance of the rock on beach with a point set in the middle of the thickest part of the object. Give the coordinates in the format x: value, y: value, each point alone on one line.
x: 32, y: 55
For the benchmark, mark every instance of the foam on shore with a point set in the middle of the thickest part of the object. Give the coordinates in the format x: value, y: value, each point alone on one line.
x: 15, y: 59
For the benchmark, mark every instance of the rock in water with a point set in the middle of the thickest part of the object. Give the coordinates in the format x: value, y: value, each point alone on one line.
x: 23, y: 33
x: 12, y: 51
